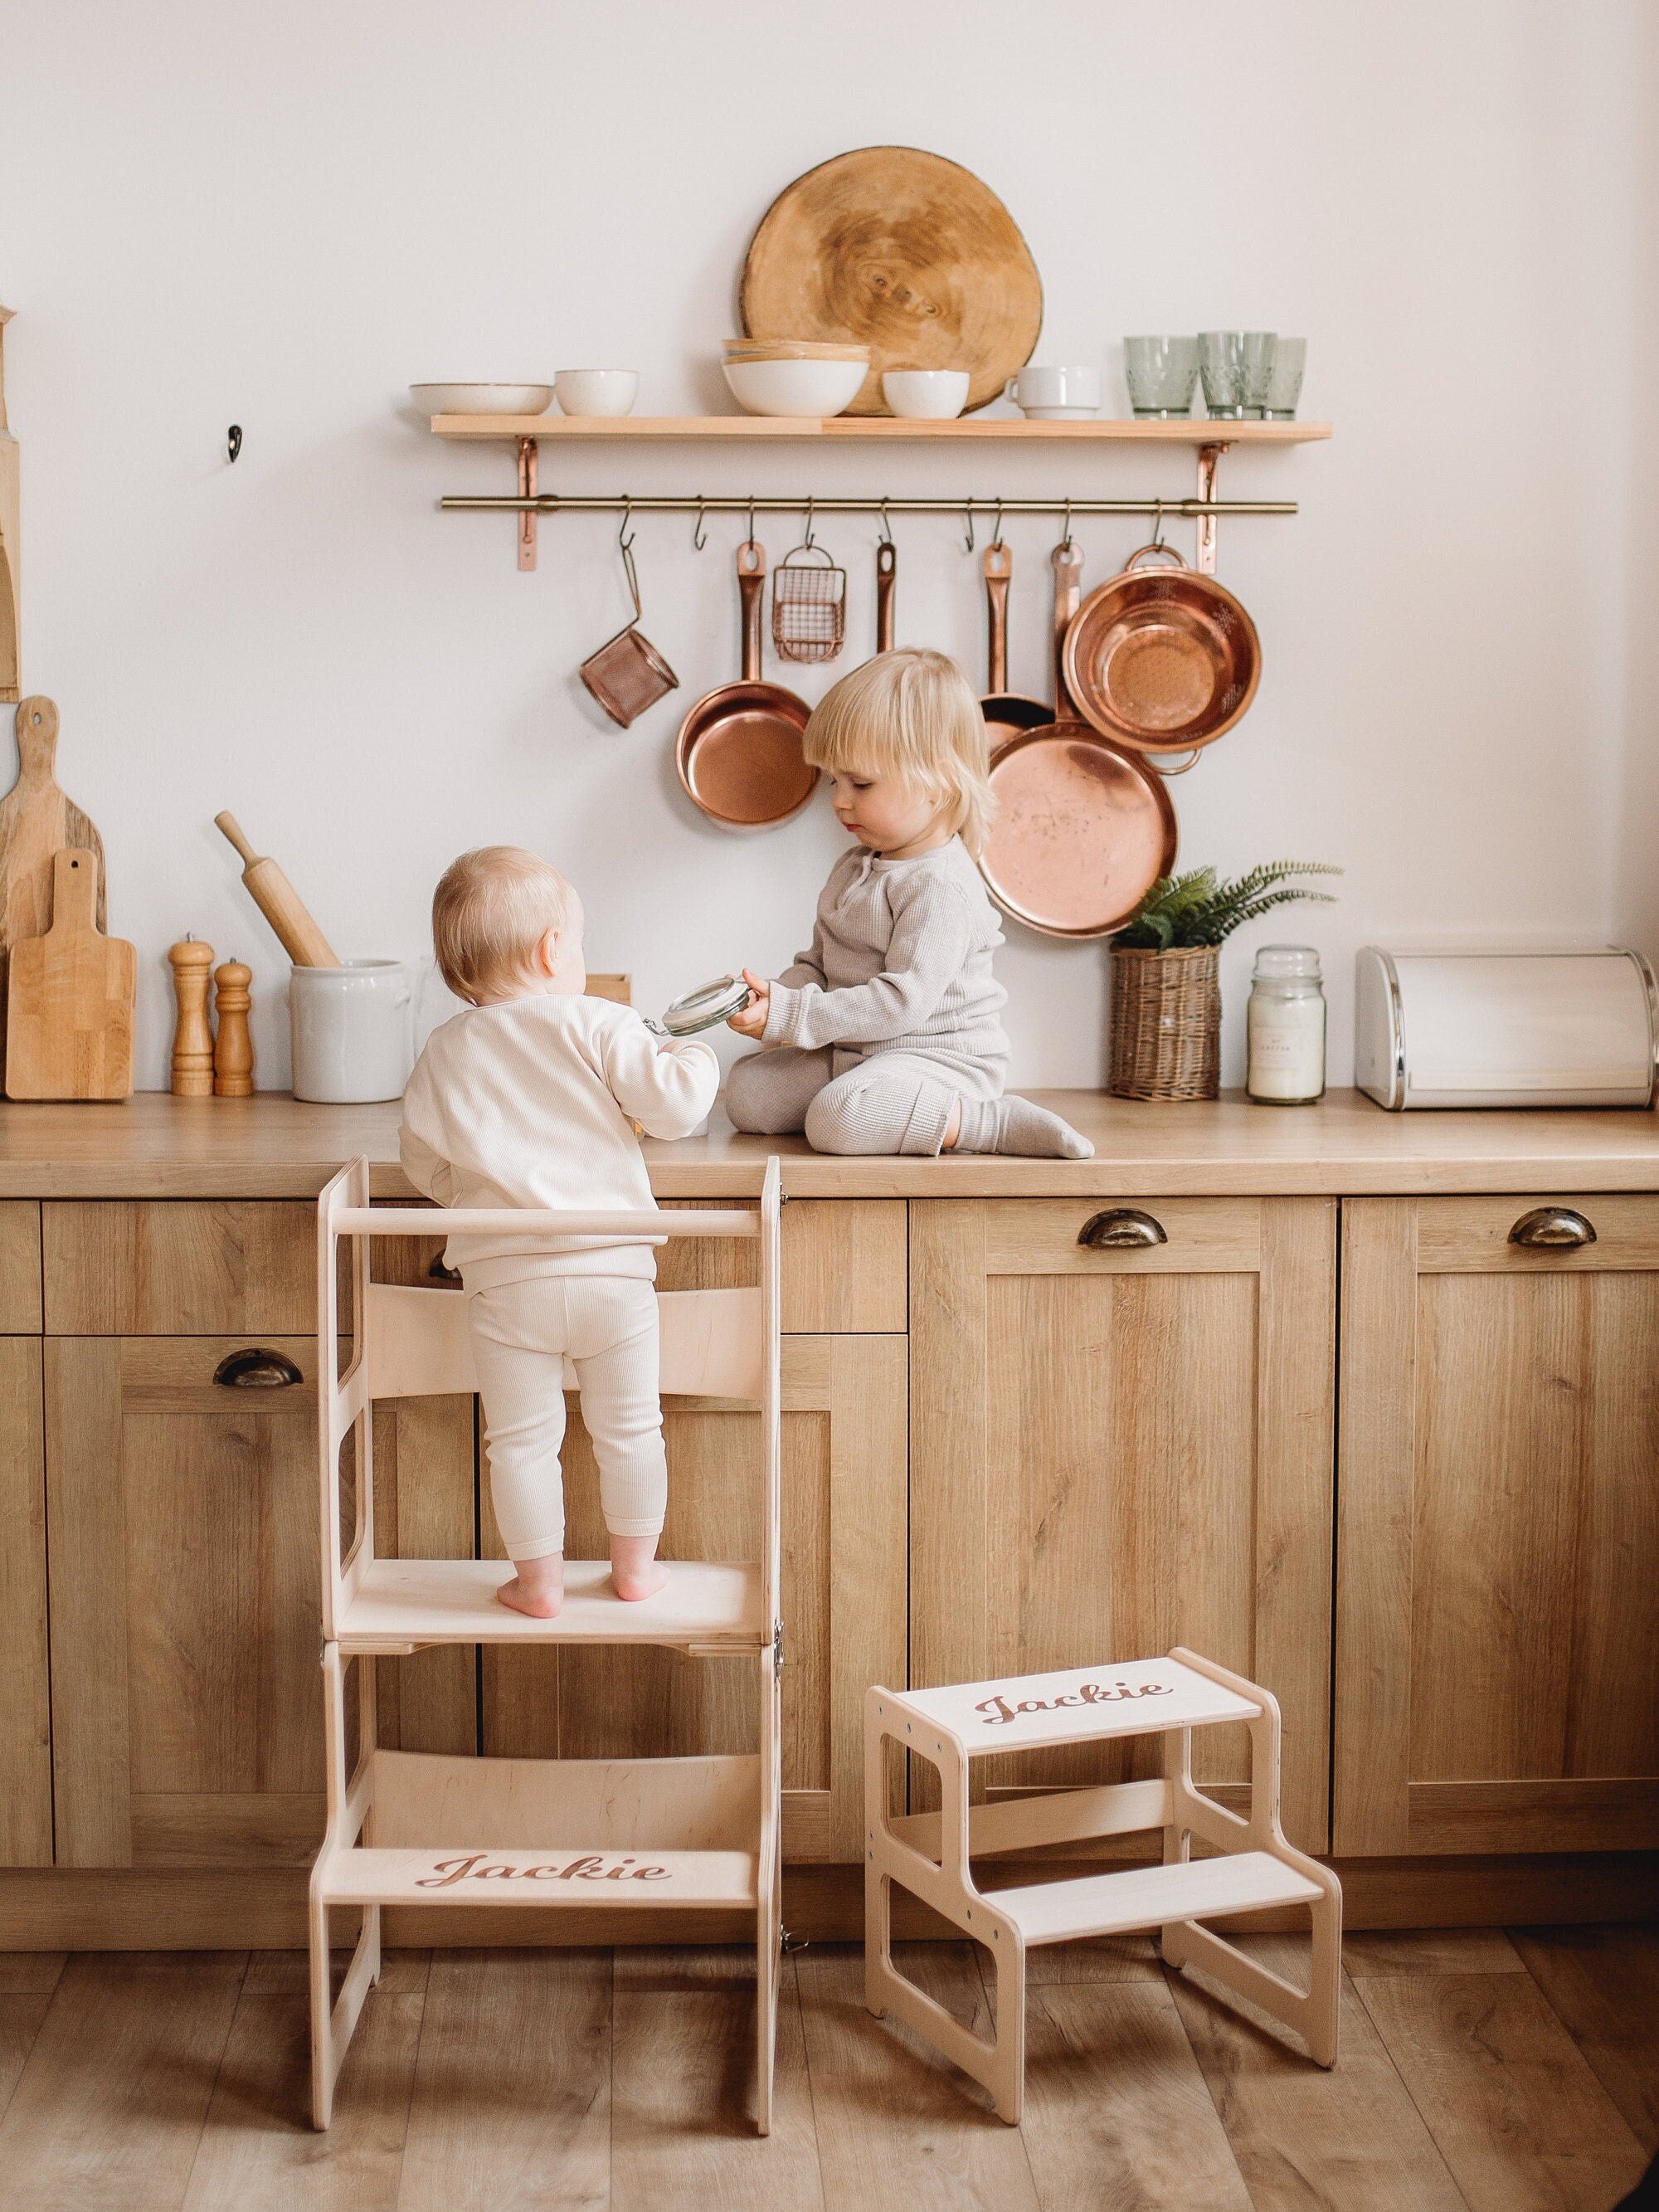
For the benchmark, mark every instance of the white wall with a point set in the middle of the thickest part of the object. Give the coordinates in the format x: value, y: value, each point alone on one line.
x: 281, y: 217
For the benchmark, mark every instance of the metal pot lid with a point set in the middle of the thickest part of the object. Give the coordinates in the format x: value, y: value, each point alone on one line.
x: 705, y: 1007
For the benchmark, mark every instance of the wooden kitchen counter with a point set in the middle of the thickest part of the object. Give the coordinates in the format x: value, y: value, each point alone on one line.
x: 274, y: 1146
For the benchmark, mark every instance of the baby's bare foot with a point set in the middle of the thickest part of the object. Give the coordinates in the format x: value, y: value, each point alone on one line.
x: 635, y: 1570
x: 537, y: 1589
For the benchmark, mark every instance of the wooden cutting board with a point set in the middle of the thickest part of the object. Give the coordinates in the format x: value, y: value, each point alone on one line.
x: 906, y: 252
x: 36, y: 822
x: 69, y: 997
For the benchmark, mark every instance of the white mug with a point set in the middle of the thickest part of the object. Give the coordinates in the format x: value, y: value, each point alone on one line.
x: 352, y: 1030
x: 596, y: 390
x: 1053, y: 394
x: 925, y: 395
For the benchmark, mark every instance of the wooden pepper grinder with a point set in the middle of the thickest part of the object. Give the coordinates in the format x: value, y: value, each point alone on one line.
x: 233, y: 1054
x: 192, y: 1039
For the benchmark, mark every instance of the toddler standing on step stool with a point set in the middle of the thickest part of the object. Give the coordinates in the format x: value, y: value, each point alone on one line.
x: 886, y: 1031
x: 529, y: 1098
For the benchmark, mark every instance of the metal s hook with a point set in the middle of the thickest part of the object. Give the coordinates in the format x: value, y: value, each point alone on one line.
x: 700, y: 535
x: 996, y: 535
x: 1157, y: 526
x: 886, y: 527
x: 625, y: 547
x: 806, y: 543
x: 968, y: 517
x: 1065, y: 538
x: 750, y: 540
x: 624, y: 535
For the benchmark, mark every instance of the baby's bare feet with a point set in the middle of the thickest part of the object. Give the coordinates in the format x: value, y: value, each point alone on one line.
x: 635, y: 1570
x: 537, y: 1589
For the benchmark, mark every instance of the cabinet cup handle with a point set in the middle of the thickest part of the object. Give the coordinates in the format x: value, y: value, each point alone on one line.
x: 257, y: 1369
x: 1120, y: 1226
x: 1552, y: 1228
x: 437, y: 1273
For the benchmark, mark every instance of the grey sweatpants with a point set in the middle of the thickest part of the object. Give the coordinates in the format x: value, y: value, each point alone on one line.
x: 847, y: 1101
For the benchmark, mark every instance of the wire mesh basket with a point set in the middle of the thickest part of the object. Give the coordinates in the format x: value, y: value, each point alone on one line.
x: 809, y: 605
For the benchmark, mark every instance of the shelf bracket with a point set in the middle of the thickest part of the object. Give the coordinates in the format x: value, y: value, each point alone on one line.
x: 1208, y: 456
x: 527, y: 451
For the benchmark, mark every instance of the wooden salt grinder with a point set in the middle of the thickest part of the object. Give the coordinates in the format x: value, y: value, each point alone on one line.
x: 192, y: 1039
x: 233, y: 1054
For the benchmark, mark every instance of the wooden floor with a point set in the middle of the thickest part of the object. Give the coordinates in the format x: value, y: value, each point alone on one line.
x: 1495, y: 2072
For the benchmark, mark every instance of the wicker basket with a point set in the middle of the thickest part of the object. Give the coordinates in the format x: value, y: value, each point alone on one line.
x: 1165, y: 1024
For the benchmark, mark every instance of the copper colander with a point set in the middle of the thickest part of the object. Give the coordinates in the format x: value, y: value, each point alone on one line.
x: 1162, y: 660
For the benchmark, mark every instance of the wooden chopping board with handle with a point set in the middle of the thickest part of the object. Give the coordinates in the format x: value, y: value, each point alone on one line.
x: 37, y: 821
x: 70, y: 996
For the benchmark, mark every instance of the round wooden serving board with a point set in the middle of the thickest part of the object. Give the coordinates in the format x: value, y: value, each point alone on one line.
x: 902, y: 251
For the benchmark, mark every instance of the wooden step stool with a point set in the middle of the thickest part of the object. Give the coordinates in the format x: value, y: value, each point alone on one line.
x: 929, y: 1853
x: 407, y: 1828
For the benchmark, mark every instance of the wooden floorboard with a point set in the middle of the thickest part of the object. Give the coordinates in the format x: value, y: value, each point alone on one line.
x: 1518, y: 2115
x: 108, y: 2110
x: 511, y: 2108
x: 899, y: 2129
x: 1602, y: 1984
x: 258, y: 2152
x: 1481, y: 2072
x: 1116, y: 2109
x: 1349, y: 2139
x: 682, y: 2127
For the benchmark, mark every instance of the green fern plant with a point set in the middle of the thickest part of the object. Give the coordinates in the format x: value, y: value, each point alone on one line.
x: 1202, y: 907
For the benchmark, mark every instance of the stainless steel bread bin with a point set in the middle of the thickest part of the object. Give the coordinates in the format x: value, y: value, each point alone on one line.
x: 1498, y: 1027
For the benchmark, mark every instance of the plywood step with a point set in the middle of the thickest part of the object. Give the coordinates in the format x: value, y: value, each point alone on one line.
x: 1079, y: 1704
x: 402, y: 1603
x: 549, y: 1875
x: 1146, y: 1897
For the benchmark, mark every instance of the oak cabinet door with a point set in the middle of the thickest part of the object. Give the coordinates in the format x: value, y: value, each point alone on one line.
x: 1497, y: 1634
x: 183, y: 1547
x: 1117, y: 1450
x: 25, y: 1714
x: 844, y: 1425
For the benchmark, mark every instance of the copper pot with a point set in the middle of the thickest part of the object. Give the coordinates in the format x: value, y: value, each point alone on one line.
x: 738, y: 752
x: 1162, y: 660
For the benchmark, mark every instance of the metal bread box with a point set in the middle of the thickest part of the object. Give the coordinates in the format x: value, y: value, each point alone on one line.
x: 1506, y: 1029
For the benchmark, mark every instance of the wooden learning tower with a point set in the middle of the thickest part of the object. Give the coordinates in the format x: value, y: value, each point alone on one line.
x: 411, y: 1828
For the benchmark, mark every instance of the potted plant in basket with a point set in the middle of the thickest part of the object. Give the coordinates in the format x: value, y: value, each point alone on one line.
x: 1165, y: 1033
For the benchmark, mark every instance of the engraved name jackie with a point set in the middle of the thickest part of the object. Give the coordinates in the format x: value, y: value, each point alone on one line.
x: 593, y: 1868
x: 997, y: 1709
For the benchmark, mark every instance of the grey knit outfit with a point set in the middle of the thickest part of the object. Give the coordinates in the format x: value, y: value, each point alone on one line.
x: 890, y: 1019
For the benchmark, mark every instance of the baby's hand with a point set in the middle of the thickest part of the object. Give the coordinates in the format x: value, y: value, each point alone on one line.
x: 751, y: 1021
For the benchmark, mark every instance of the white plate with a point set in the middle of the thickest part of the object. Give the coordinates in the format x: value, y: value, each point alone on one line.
x: 481, y: 398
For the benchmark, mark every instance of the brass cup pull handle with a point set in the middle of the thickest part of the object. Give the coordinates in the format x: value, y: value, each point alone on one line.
x: 257, y: 1369
x: 1119, y: 1228
x: 1553, y: 1227
x: 437, y: 1273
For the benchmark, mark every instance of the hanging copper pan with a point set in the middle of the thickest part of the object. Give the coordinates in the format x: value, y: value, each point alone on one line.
x: 1162, y: 660
x: 738, y: 752
x: 1083, y: 831
x: 1006, y: 713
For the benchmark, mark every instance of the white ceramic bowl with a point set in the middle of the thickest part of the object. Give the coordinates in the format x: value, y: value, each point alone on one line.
x: 925, y: 395
x: 596, y: 390
x: 481, y: 398
x: 795, y: 387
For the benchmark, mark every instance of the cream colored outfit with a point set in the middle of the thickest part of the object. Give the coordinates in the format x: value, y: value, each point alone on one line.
x: 532, y: 1103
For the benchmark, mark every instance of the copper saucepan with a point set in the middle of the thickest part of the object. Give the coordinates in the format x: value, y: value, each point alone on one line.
x: 1082, y: 830
x: 738, y: 752
x: 886, y: 580
x: 1162, y: 660
x: 1006, y: 713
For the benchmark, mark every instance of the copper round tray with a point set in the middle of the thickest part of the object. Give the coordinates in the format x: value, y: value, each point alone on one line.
x: 1083, y: 831
x: 1162, y: 660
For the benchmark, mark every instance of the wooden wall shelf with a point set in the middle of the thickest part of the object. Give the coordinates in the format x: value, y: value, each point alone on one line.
x: 749, y: 428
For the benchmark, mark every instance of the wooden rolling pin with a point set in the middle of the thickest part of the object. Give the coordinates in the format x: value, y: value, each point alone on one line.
x: 277, y: 900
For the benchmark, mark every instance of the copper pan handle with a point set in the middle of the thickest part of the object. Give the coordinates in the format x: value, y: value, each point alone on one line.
x: 1156, y: 759
x: 1140, y: 553
x: 998, y: 570
x: 1067, y: 564
x: 886, y: 576
x: 752, y: 588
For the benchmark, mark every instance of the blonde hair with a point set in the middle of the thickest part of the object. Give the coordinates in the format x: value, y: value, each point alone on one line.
x: 490, y: 910
x: 913, y: 715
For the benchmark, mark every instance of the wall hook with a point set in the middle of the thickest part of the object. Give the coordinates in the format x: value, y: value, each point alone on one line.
x: 233, y: 442
x: 700, y: 535
x: 968, y: 517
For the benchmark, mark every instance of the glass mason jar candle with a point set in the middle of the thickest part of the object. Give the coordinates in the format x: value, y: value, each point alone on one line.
x: 1286, y: 1027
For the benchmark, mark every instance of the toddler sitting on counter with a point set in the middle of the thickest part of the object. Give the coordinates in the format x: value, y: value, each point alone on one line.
x: 530, y: 1097
x: 885, y: 1036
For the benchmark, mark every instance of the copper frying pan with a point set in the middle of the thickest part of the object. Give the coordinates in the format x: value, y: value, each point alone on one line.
x: 1006, y: 713
x: 886, y: 579
x: 1082, y: 830
x: 738, y: 752
x: 1162, y: 660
